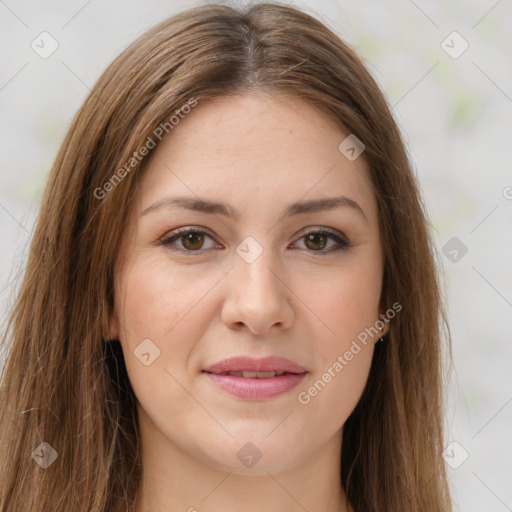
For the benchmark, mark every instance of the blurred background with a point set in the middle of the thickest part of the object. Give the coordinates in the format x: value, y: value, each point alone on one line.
x: 446, y: 69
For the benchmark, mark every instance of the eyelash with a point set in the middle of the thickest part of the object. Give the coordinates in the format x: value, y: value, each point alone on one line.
x: 167, y: 240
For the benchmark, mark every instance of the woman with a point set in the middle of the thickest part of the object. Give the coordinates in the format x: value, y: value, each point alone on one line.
x: 231, y: 296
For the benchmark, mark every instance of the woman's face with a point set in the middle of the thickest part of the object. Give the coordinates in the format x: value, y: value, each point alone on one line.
x: 282, y: 260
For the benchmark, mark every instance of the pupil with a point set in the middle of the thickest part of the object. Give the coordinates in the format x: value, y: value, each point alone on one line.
x: 193, y: 241
x: 316, y: 237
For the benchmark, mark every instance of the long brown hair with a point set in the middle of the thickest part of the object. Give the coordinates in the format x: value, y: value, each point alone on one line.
x: 64, y: 385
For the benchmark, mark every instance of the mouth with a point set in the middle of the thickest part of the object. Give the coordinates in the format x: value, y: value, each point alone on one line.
x: 254, y: 375
x: 255, y: 379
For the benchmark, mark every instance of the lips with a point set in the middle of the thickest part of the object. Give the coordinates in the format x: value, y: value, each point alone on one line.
x: 250, y: 365
x: 253, y: 375
x: 255, y: 379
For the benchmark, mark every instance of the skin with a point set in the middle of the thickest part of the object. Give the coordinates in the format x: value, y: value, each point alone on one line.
x: 298, y: 300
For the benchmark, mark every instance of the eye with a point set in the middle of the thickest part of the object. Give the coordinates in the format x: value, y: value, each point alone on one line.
x: 318, y: 241
x: 191, y: 239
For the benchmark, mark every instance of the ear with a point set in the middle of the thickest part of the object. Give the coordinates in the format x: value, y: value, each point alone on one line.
x: 383, y: 317
x: 113, y: 327
x: 111, y: 316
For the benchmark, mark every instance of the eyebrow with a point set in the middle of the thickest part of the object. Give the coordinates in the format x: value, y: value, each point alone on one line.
x: 225, y: 209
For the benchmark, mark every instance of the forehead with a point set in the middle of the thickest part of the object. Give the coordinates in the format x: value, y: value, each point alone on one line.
x: 240, y: 147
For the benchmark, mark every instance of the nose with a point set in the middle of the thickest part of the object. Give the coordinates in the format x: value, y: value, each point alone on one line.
x: 259, y: 300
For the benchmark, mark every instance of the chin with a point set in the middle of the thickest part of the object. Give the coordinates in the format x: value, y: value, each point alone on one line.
x: 253, y: 454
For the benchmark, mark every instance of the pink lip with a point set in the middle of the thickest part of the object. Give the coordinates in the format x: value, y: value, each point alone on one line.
x: 250, y: 364
x: 256, y: 388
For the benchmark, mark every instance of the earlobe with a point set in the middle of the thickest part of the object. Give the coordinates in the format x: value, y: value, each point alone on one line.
x: 113, y: 328
x: 383, y: 335
x: 383, y: 326
x: 384, y: 323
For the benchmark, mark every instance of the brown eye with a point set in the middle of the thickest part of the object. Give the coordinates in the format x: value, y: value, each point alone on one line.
x: 188, y: 240
x: 193, y: 240
x: 323, y: 242
x: 316, y: 241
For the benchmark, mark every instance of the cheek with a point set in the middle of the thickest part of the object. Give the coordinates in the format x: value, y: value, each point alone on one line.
x: 156, y: 297
x: 162, y: 304
x: 349, y: 302
x: 332, y: 392
x: 349, y: 306
x: 168, y: 306
x: 331, y: 396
